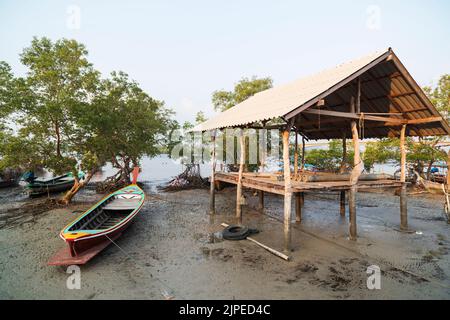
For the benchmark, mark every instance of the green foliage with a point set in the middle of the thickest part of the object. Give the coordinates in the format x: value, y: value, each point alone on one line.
x: 60, y: 82
x: 6, y: 90
x: 381, y: 151
x: 329, y: 159
x: 440, y: 95
x: 223, y: 100
x: 123, y: 123
x: 200, y: 117
x: 69, y: 118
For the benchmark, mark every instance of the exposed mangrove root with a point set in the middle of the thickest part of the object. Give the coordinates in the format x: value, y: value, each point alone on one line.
x: 190, y: 178
x: 113, y: 183
x: 27, y: 213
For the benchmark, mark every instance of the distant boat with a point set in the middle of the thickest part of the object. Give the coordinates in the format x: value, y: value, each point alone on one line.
x: 97, y: 227
x: 38, y: 187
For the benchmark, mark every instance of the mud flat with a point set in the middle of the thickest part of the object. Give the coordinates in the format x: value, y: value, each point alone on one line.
x: 172, y: 251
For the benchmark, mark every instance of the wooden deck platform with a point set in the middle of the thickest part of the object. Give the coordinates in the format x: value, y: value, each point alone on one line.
x: 269, y: 183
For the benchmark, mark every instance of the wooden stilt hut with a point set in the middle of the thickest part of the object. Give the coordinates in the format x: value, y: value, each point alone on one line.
x: 371, y: 97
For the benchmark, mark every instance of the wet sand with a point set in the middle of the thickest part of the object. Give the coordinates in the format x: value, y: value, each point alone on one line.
x: 170, y: 251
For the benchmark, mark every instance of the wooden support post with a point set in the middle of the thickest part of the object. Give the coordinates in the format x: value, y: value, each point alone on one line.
x: 356, y: 172
x: 296, y: 155
x: 287, y: 192
x: 403, y: 205
x: 263, y: 149
x: 239, y: 183
x: 344, y: 153
x: 342, y: 202
x: 303, y: 153
x: 448, y: 171
x: 358, y: 95
x: 299, y: 203
x: 212, y: 200
x: 261, y: 200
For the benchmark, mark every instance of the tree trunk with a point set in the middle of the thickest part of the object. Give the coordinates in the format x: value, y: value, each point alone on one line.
x: 68, y: 196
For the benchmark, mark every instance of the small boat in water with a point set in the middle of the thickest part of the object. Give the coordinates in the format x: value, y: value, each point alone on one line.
x: 38, y: 187
x: 100, y: 225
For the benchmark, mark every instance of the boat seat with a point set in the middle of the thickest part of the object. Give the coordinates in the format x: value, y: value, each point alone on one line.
x: 122, y: 204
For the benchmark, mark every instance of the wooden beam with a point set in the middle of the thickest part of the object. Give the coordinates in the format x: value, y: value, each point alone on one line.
x: 370, y: 117
x: 287, y: 192
x: 239, y: 184
x: 353, y: 115
x: 212, y: 200
x: 403, y: 204
x: 424, y: 120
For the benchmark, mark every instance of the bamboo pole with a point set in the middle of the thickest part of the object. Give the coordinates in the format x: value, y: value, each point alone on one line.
x: 239, y: 183
x: 287, y: 192
x: 212, y: 201
x: 273, y: 251
x: 403, y: 202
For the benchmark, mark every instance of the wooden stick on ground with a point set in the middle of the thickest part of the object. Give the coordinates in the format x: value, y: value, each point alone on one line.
x: 273, y: 251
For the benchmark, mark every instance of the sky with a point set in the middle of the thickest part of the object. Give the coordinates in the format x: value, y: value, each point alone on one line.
x: 182, y: 51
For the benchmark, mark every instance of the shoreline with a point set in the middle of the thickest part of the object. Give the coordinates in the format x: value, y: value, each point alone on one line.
x: 172, y: 250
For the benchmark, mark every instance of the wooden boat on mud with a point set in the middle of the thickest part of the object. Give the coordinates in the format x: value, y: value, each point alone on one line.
x: 100, y: 225
x: 430, y: 186
x: 38, y: 187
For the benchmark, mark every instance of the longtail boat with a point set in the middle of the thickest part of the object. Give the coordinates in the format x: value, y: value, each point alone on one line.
x: 38, y: 187
x: 100, y: 225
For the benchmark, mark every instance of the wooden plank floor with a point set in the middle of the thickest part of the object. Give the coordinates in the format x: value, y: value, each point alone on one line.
x: 268, y: 183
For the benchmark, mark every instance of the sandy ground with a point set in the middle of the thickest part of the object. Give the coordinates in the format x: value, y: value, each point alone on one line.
x: 171, y: 250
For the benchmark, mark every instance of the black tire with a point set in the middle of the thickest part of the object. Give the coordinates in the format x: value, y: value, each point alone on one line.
x: 235, y: 233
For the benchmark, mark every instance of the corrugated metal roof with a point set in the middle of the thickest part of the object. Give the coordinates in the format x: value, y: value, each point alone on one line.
x: 385, y: 89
